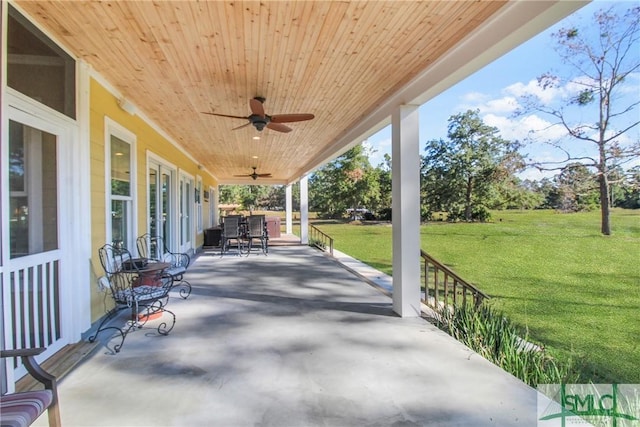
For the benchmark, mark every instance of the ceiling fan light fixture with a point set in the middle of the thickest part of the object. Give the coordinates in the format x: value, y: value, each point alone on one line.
x: 260, y: 120
x: 255, y: 175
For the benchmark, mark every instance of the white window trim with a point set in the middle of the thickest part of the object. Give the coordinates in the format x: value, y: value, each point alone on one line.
x: 114, y: 128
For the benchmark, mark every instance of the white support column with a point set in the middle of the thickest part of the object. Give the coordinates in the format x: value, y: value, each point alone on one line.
x: 215, y: 199
x: 288, y: 209
x: 304, y: 210
x: 405, y: 194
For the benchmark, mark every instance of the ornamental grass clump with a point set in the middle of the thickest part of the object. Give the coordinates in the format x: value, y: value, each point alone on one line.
x: 498, y: 340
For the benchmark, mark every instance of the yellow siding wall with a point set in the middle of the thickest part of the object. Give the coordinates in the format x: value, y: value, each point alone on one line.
x: 104, y: 104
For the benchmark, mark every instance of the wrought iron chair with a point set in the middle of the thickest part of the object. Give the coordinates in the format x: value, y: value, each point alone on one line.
x: 231, y: 231
x: 145, y: 293
x: 25, y: 407
x: 257, y: 230
x: 154, y: 248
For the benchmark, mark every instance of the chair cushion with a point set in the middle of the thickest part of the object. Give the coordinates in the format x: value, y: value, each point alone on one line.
x: 175, y: 271
x: 22, y: 409
x: 141, y: 293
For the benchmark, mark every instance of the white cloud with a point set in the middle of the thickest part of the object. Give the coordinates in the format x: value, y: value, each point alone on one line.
x: 532, y: 88
x: 474, y: 98
x: 524, y: 127
x: 534, y: 174
x: 505, y: 105
x: 631, y: 85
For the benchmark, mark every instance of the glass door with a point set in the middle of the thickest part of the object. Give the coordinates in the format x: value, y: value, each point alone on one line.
x: 166, y: 197
x: 186, y: 192
x: 154, y: 179
x: 160, y: 202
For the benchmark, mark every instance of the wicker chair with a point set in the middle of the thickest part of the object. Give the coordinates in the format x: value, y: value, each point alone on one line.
x: 153, y: 248
x: 23, y: 408
x: 145, y: 293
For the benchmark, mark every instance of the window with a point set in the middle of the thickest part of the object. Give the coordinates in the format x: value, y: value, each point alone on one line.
x: 38, y: 68
x: 121, y: 232
x: 33, y: 191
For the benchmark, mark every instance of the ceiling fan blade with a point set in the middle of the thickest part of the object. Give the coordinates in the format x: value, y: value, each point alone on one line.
x: 244, y: 125
x: 264, y: 175
x: 288, y: 118
x: 225, y: 115
x: 256, y: 107
x: 243, y: 175
x: 279, y: 127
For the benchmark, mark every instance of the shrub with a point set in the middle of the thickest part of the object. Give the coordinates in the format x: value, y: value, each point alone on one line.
x: 384, y: 214
x: 497, y: 339
x: 480, y: 213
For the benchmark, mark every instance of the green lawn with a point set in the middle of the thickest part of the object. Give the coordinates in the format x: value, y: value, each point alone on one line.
x: 576, y: 291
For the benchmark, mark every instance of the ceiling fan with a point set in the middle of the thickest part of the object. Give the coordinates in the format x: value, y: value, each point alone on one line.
x: 260, y: 120
x: 256, y: 175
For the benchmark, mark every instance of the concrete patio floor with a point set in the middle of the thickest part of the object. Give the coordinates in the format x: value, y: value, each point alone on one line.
x: 289, y: 339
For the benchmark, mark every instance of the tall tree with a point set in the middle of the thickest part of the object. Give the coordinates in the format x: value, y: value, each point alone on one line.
x: 602, y: 56
x: 576, y: 189
x: 347, y: 182
x: 460, y: 174
x: 249, y: 196
x: 631, y: 189
x: 382, y: 205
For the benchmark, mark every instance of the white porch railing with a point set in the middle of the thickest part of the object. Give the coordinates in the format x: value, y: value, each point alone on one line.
x: 31, y: 303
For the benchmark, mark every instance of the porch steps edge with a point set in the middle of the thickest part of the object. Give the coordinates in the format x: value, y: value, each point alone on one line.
x: 59, y: 365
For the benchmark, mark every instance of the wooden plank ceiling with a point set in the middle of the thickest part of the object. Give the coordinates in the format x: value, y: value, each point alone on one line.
x: 335, y: 59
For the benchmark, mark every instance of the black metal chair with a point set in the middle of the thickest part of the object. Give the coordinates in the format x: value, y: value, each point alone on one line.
x: 25, y: 407
x: 155, y: 249
x: 231, y: 231
x: 145, y: 293
x: 257, y: 230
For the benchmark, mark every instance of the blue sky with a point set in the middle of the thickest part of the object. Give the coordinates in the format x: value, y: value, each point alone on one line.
x: 493, y: 90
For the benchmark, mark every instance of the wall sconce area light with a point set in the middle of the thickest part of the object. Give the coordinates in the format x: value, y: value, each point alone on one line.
x: 127, y: 106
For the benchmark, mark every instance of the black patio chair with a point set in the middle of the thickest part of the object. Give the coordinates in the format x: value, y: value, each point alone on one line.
x: 133, y: 285
x: 231, y: 231
x: 154, y: 248
x: 257, y: 230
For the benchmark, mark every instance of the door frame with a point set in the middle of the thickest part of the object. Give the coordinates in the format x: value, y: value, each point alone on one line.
x: 188, y: 245
x: 72, y: 171
x: 173, y: 215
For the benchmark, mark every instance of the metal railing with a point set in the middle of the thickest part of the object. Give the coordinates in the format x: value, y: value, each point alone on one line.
x: 443, y: 287
x: 320, y: 240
